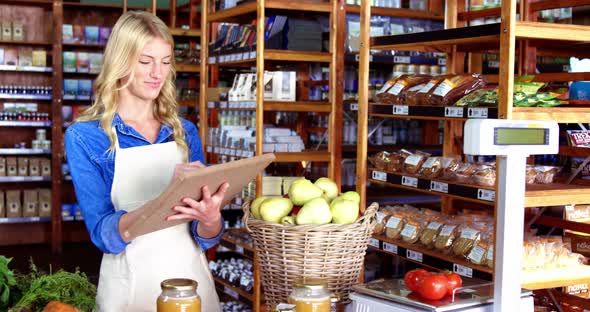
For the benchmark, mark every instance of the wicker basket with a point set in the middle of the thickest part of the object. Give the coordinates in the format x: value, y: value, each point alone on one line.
x: 334, y: 252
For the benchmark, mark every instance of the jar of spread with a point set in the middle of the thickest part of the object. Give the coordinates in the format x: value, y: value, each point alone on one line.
x: 311, y: 295
x: 179, y: 294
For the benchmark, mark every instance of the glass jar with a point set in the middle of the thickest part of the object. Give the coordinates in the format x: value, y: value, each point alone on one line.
x: 310, y: 295
x: 179, y: 294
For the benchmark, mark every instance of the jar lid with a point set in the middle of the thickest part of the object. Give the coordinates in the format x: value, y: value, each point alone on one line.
x: 311, y: 283
x: 179, y: 284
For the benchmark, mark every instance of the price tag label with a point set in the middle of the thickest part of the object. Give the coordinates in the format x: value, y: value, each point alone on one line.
x: 462, y: 270
x: 442, y: 61
x: 566, y: 68
x: 240, y: 249
x: 354, y: 107
x: 401, y: 59
x: 222, y: 104
x: 35, y: 219
x: 494, y: 64
x: 212, y: 60
x: 379, y: 175
x: 231, y: 292
x: 414, y: 255
x: 410, y: 181
x: 486, y: 195
x: 477, y: 112
x: 374, y: 242
x: 357, y: 57
x: 390, y: 247
x: 253, y: 54
x: 209, y: 149
x: 222, y: 59
x: 451, y: 111
x: 240, y: 56
x: 401, y: 109
x: 211, y: 104
x: 439, y: 187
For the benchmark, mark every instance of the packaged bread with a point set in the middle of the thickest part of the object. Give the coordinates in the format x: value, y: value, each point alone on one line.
x: 465, y: 241
x: 414, y: 162
x: 396, y: 161
x: 531, y: 174
x: 402, y: 83
x: 484, y: 175
x: 402, y: 98
x: 489, y: 258
x: 430, y: 233
x: 380, y: 160
x: 477, y: 255
x: 445, y: 238
x: 451, y: 89
x: 386, y: 86
x: 381, y: 219
x: 421, y: 97
x: 413, y: 230
x: 464, y: 172
x: 394, y: 225
x: 448, y: 172
x: 546, y: 174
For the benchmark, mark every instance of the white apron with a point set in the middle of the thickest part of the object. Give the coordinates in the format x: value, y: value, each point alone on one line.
x: 130, y: 280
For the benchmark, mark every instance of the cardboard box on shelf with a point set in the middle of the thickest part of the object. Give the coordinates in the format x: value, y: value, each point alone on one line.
x: 6, y: 30
x: 2, y: 206
x: 44, y: 203
x: 284, y: 86
x: 82, y: 62
x: 580, y: 290
x: 40, y: 58
x: 34, y: 167
x: 67, y: 33
x: 84, y: 89
x: 30, y: 203
x: 70, y: 90
x: 91, y: 33
x: 18, y: 31
x: 69, y: 62
x: 25, y: 57
x: 1, y: 56
x: 11, y: 167
x: 13, y: 204
x: 217, y: 94
x: 23, y: 166
x: 580, y: 243
x: 79, y: 34
x: 103, y: 35
x: 95, y: 60
x: 45, y: 167
x: 2, y: 166
x: 11, y: 56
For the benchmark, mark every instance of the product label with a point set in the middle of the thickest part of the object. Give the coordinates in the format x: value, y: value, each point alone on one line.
x: 401, y: 110
x: 579, y: 137
x: 442, y: 61
x: 240, y: 249
x: 452, y: 111
x: 409, y: 230
x: 380, y: 217
x: 379, y: 175
x: 414, y: 255
x: 444, y: 88
x: 410, y: 181
x: 434, y: 226
x: 390, y: 247
x: 397, y: 88
x: 401, y: 59
x: 447, y: 230
x: 374, y: 242
x: 413, y: 160
x: 429, y: 162
x: 427, y: 87
x: 469, y: 233
x: 476, y: 254
x: 392, y: 222
x: 462, y: 270
x: 231, y: 292
x: 477, y: 112
x: 386, y: 86
x: 416, y: 88
x: 441, y: 187
x: 490, y: 254
x: 493, y: 64
x: 487, y: 195
x: 354, y: 107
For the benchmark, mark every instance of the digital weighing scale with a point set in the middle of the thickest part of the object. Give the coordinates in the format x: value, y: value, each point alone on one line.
x: 512, y: 141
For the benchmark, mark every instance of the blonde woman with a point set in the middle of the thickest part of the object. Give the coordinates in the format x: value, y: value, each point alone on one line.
x: 122, y: 152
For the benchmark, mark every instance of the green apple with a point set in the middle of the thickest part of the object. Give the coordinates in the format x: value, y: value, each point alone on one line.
x: 344, y: 211
x: 329, y: 188
x: 255, y: 206
x: 302, y: 191
x: 273, y: 209
x: 315, y: 211
x: 352, y: 196
x: 288, y: 220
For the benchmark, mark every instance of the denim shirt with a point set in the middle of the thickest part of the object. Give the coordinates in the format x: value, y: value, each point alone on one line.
x: 92, y: 168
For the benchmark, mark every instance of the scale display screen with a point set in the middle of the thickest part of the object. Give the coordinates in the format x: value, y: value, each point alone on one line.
x: 521, y: 136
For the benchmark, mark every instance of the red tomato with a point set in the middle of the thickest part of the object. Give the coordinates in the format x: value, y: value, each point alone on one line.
x: 454, y: 281
x: 432, y: 286
x: 411, y: 278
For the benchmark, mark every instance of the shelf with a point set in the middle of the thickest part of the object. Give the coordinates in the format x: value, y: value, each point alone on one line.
x: 394, y: 12
x: 26, y: 69
x: 431, y: 112
x: 392, y: 147
x: 28, y: 2
x: 475, y: 14
x: 248, y: 10
x: 24, y: 220
x: 25, y: 123
x: 68, y: 178
x: 318, y: 156
x: 24, y: 151
x: 235, y: 292
x: 31, y: 43
x: 478, y: 194
x: 297, y: 106
x: 556, y: 194
x: 188, y: 68
x: 5, y: 96
x: 238, y: 247
x: 574, y: 151
x: 181, y: 32
x: 429, y: 257
x: 395, y: 59
x: 544, y: 279
x: 84, y: 45
x: 563, y: 114
x: 24, y: 179
x: 192, y: 103
x: 248, y: 58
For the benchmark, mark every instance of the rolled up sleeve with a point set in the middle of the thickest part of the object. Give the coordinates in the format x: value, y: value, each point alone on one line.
x: 102, y: 221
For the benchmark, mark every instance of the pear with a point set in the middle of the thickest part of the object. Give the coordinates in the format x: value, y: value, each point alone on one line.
x: 288, y: 220
x: 302, y: 191
x: 344, y: 211
x: 255, y: 206
x: 352, y: 196
x: 329, y: 188
x: 315, y: 211
x: 273, y: 209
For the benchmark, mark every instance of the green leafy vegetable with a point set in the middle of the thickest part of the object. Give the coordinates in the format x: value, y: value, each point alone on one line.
x: 7, y: 281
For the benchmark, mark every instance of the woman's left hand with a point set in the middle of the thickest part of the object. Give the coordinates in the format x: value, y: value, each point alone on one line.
x: 207, y: 210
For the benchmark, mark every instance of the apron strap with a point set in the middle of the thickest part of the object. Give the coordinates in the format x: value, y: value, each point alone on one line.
x: 116, y: 138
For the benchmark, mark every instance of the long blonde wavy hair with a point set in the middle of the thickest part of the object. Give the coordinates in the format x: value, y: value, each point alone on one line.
x: 131, y: 33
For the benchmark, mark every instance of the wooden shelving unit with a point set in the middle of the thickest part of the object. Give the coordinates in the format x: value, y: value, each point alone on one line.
x: 456, y: 42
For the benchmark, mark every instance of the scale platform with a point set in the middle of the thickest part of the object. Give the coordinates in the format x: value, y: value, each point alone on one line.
x: 392, y: 295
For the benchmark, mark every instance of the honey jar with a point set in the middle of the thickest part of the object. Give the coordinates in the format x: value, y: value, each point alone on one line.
x: 310, y: 295
x: 179, y: 294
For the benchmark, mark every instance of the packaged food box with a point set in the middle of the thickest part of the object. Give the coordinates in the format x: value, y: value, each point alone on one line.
x: 13, y: 204
x: 34, y: 167
x: 23, y: 166
x: 11, y: 167
x: 44, y: 202
x: 30, y: 203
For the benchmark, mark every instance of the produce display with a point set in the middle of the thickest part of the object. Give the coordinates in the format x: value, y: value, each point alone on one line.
x: 432, y: 286
x: 452, y: 169
x: 309, y: 203
x: 526, y: 94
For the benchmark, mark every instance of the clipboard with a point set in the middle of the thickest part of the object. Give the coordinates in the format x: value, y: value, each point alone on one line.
x: 188, y: 184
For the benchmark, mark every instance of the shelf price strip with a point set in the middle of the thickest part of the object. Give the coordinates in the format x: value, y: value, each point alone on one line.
x: 434, y: 111
x: 462, y: 270
x: 477, y: 112
x: 453, y: 111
